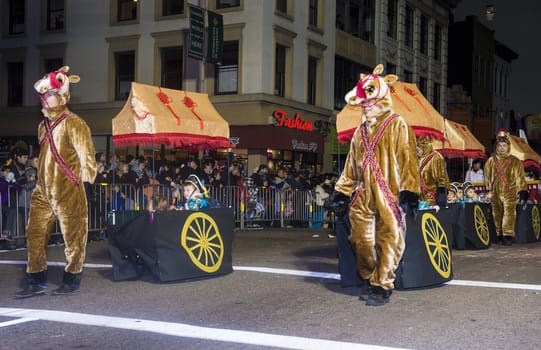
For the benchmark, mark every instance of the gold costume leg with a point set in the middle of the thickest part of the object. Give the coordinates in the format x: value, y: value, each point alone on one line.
x: 509, y: 215
x: 497, y: 213
x: 74, y: 226
x: 376, y: 241
x: 38, y: 230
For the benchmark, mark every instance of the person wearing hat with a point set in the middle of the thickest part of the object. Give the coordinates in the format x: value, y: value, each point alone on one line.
x: 434, y: 180
x: 451, y: 194
x: 470, y: 195
x: 195, y: 193
x: 504, y: 180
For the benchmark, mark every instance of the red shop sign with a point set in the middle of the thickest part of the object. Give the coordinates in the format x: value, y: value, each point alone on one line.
x: 280, y: 119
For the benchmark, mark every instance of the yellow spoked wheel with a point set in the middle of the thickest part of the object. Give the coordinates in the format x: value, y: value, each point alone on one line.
x: 202, y: 241
x: 536, y: 222
x: 481, y: 225
x: 437, y: 245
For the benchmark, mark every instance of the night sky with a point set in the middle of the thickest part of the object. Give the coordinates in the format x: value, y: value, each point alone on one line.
x: 517, y: 25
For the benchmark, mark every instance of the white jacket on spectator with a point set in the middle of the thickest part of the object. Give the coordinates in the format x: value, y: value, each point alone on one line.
x: 321, y: 195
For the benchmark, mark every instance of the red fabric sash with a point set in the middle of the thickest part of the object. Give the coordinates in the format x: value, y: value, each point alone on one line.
x: 424, y: 186
x: 370, y: 159
x: 500, y: 168
x: 64, y: 167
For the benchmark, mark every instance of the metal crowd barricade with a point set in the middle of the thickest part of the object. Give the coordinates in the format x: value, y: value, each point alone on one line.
x: 112, y: 204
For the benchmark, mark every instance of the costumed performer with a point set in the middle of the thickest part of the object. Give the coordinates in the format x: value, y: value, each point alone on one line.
x: 504, y: 180
x: 66, y: 160
x: 382, y: 173
x: 434, y: 180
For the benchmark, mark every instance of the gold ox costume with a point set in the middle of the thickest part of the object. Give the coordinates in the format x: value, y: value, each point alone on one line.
x: 66, y: 160
x: 434, y: 178
x: 381, y: 162
x: 504, y: 179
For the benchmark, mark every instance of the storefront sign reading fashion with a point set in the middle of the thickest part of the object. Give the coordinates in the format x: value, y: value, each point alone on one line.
x: 280, y: 119
x: 300, y: 145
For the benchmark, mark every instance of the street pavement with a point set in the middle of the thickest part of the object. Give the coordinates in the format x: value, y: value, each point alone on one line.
x: 283, y: 293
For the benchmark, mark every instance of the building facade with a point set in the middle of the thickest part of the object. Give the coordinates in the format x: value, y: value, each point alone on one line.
x: 285, y: 67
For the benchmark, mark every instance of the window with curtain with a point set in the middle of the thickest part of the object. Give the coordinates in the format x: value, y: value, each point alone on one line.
x: 124, y: 73
x: 280, y: 71
x: 408, y: 27
x: 392, y: 12
x: 171, y: 68
x: 423, y: 35
x: 55, y: 14
x: 312, y: 12
x: 14, y: 82
x: 227, y: 73
x: 281, y: 5
x: 437, y: 43
x: 126, y: 10
x: 312, y: 80
x: 172, y: 7
x: 223, y: 4
x: 16, y: 19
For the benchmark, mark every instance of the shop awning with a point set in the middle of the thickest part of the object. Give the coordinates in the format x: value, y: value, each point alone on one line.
x: 181, y: 119
x: 409, y: 102
x: 460, y: 142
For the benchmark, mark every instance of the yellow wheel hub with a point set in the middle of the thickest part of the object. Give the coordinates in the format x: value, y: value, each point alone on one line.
x: 536, y: 222
x: 202, y: 241
x: 481, y: 225
x: 437, y: 245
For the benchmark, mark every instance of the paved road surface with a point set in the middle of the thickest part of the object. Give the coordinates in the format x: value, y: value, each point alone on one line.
x: 282, y: 294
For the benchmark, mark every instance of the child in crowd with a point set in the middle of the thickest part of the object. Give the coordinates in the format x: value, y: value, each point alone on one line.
x: 459, y: 192
x: 159, y: 204
x: 195, y: 194
x: 470, y: 196
x: 451, y: 194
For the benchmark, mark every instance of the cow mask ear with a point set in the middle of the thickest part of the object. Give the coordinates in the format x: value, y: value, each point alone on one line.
x: 378, y: 70
x: 74, y: 78
x: 390, y: 79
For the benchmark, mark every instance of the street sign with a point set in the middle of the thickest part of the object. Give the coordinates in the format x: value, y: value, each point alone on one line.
x: 197, y: 33
x: 216, y: 37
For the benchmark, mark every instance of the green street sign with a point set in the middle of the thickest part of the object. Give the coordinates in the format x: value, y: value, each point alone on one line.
x: 197, y: 33
x: 216, y: 37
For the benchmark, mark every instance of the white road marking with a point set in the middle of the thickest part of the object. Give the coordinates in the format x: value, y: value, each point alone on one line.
x: 17, y: 321
x: 187, y: 331
x: 314, y: 274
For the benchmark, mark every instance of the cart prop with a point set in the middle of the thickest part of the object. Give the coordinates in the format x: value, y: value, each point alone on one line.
x: 460, y: 142
x: 409, y: 102
x: 181, y: 119
x: 528, y: 224
x: 473, y: 226
x: 172, y: 246
x: 426, y: 260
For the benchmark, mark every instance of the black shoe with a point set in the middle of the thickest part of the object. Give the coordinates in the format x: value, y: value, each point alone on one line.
x: 66, y: 289
x: 366, y: 290
x: 70, y: 284
x: 32, y: 290
x: 507, y: 240
x: 498, y: 240
x: 378, y: 297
